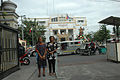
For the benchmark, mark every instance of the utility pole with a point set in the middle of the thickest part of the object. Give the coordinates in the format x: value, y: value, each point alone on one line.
x: 32, y: 37
x: 34, y: 25
x: 22, y: 26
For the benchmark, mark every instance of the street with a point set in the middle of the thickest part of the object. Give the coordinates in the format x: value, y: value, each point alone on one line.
x: 89, y: 68
x: 73, y: 67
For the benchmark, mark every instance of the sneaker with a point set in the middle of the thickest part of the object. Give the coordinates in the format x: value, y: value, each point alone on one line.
x: 54, y: 74
x: 50, y: 74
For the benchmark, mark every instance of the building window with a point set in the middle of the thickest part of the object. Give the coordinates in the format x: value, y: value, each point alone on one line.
x: 63, y: 31
x: 54, y: 19
x: 80, y: 21
x: 55, y: 32
x: 41, y: 23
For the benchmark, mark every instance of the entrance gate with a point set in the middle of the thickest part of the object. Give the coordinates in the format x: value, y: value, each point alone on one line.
x: 8, y: 50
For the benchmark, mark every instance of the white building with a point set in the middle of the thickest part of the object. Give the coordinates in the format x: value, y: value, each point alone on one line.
x: 63, y: 27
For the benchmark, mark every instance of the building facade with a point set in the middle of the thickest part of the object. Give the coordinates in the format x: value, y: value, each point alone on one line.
x: 63, y: 27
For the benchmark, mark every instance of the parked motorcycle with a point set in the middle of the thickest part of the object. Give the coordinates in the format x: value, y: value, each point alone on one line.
x: 25, y: 59
x: 92, y: 50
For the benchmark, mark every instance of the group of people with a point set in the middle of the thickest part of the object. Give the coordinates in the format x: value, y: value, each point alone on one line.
x: 46, y: 52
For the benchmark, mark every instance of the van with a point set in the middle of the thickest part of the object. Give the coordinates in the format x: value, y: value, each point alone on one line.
x: 69, y: 47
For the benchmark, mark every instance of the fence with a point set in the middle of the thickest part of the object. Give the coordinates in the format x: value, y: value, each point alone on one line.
x: 8, y: 50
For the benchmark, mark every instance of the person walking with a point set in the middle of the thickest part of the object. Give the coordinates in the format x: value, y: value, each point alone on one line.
x: 51, y: 49
x: 41, y: 61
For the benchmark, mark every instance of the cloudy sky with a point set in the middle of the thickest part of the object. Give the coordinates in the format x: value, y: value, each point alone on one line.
x: 93, y: 10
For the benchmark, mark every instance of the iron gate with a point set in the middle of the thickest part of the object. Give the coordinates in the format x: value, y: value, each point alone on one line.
x: 8, y: 50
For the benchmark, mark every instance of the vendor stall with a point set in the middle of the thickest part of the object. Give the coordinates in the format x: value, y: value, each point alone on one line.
x: 113, y: 48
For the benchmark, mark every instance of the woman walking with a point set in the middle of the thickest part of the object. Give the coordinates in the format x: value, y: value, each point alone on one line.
x: 41, y: 61
x: 52, y: 48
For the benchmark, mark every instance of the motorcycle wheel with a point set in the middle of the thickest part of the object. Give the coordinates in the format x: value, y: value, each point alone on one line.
x: 77, y: 51
x: 26, y: 61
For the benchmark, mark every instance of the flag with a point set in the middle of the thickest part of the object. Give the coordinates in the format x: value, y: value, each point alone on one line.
x: 67, y: 17
x: 30, y: 30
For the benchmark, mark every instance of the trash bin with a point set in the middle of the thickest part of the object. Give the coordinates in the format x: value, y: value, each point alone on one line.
x: 103, y: 50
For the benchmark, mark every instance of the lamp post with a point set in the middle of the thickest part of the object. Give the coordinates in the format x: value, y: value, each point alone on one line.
x: 23, y: 16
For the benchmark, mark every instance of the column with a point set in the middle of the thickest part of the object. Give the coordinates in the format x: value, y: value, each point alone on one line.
x: 66, y: 31
x: 74, y: 34
x: 59, y: 31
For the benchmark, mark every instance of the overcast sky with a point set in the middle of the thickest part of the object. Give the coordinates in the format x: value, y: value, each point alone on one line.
x: 93, y: 10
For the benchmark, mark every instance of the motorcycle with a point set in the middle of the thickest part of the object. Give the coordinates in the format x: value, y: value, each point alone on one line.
x: 25, y: 59
x: 92, y: 50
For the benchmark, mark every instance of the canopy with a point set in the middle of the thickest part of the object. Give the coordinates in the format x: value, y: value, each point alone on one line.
x: 111, y: 21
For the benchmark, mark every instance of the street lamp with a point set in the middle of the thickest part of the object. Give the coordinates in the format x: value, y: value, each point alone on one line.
x: 23, y: 16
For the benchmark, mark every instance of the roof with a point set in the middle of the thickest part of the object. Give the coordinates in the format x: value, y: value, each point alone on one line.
x: 111, y: 21
x: 9, y: 2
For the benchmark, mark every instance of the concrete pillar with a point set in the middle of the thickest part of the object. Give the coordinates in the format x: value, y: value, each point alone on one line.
x: 66, y: 31
x: 51, y: 32
x: 59, y: 31
x: 74, y: 34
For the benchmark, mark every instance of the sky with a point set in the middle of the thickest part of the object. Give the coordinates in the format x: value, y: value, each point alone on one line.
x: 93, y: 10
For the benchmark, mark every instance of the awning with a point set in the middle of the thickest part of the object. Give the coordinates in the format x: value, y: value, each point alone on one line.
x: 111, y: 21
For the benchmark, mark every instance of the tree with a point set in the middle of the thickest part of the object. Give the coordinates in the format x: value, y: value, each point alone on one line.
x: 36, y: 29
x: 102, y: 34
x: 90, y: 36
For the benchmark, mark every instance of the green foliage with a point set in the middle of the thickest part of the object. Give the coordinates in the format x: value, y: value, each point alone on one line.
x: 90, y: 36
x: 36, y: 29
x: 102, y: 34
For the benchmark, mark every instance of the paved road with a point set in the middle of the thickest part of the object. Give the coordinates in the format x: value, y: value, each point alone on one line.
x: 88, y: 68
x: 77, y: 59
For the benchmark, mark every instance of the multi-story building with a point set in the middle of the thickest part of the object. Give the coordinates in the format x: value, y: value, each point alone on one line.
x: 63, y: 27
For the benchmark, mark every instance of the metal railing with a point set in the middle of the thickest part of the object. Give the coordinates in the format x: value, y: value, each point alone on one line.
x: 8, y: 48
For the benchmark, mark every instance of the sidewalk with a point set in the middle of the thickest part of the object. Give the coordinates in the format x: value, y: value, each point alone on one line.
x: 23, y: 74
x: 30, y: 72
